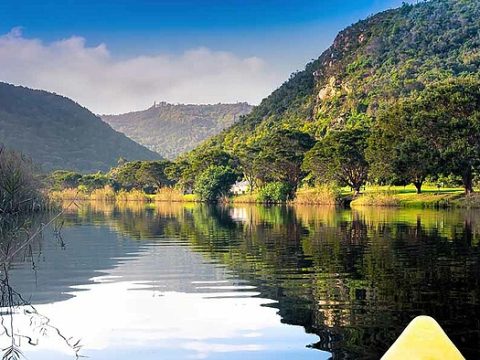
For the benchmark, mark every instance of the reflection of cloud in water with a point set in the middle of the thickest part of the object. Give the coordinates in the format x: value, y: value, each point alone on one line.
x: 191, y: 309
x: 112, y: 317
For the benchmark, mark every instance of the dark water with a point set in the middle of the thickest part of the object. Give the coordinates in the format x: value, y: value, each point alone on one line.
x: 245, y: 282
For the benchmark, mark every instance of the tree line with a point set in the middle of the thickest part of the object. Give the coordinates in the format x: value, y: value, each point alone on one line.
x: 432, y: 135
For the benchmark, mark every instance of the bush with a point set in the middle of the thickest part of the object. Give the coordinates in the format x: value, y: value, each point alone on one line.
x: 377, y: 197
x: 274, y: 192
x: 215, y: 182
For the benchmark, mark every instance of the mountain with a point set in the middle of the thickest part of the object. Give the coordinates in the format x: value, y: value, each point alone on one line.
x: 60, y: 134
x: 174, y: 129
x: 371, y: 63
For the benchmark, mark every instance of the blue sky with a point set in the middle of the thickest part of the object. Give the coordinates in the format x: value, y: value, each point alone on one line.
x: 284, y: 35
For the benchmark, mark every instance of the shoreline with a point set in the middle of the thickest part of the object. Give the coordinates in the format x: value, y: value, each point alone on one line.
x: 428, y: 200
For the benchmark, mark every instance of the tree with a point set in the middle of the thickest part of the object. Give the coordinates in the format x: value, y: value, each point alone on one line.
x: 450, y: 113
x: 247, y: 165
x: 152, y: 173
x: 436, y: 131
x: 62, y: 179
x: 281, y: 155
x: 125, y: 176
x: 399, y: 148
x: 188, y: 167
x: 94, y: 181
x: 214, y: 182
x: 340, y: 157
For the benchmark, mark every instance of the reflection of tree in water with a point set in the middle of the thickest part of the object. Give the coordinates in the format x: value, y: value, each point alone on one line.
x: 355, y: 278
x: 355, y: 282
x: 19, y: 319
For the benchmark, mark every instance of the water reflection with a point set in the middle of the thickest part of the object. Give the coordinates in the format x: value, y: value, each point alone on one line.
x: 216, y: 282
x: 20, y: 321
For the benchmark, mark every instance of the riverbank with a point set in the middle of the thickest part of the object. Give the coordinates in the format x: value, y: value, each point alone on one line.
x: 375, y: 196
x: 431, y: 197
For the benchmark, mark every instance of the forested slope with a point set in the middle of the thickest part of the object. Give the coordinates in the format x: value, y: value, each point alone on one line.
x: 60, y: 134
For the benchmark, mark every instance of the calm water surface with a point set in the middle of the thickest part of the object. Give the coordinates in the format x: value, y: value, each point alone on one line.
x: 244, y: 282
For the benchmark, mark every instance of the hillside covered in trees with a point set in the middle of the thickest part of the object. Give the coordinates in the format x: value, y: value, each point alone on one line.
x: 57, y: 133
x: 171, y: 129
x: 394, y: 100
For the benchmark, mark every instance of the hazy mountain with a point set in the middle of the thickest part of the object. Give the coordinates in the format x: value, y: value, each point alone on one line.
x: 60, y: 134
x: 173, y: 129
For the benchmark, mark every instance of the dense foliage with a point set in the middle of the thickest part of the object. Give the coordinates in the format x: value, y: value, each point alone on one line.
x: 214, y: 182
x: 172, y: 129
x: 60, y: 134
x: 147, y: 176
x: 435, y: 132
x: 274, y: 192
x: 340, y: 157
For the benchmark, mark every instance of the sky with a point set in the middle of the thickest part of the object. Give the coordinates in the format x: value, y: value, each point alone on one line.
x: 115, y: 56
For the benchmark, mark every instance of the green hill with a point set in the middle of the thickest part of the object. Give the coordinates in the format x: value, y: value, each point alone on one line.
x: 373, y: 62
x: 60, y: 134
x: 174, y: 129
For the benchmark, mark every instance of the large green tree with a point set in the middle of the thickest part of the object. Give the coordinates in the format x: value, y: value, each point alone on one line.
x: 187, y: 168
x: 400, y: 149
x: 281, y: 155
x: 340, y: 157
x: 450, y: 113
x: 435, y: 131
x: 141, y: 174
x: 153, y: 173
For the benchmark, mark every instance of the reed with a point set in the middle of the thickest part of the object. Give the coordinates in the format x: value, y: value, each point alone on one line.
x: 132, y: 195
x: 320, y: 195
x: 68, y: 194
x: 105, y: 194
x: 20, y: 185
x: 169, y: 194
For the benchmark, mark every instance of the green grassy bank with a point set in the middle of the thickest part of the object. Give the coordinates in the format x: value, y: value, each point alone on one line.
x: 431, y: 197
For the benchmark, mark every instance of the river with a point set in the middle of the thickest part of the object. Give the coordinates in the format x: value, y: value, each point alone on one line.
x: 190, y: 281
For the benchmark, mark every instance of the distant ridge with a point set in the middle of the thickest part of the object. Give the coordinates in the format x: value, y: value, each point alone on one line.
x: 172, y: 129
x: 60, y: 134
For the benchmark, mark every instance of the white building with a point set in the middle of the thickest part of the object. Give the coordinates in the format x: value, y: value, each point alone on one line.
x: 240, y: 187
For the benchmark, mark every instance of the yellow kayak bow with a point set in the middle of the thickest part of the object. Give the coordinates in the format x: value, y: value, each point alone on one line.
x: 423, y: 339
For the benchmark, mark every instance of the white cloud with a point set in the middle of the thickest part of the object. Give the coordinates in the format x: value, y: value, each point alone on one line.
x: 94, y: 78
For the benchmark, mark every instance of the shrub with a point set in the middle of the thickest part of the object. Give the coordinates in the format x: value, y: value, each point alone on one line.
x: 274, y: 192
x: 214, y: 182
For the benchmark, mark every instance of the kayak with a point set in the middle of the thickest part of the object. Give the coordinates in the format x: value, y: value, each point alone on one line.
x: 423, y: 339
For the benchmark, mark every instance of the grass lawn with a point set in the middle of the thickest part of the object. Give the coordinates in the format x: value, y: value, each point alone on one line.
x: 406, y: 196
